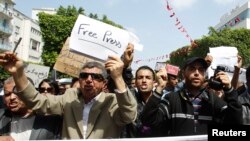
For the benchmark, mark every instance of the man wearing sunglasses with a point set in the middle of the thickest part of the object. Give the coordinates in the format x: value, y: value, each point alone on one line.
x: 87, y: 112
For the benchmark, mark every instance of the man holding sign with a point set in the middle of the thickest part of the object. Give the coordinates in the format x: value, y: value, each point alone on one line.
x: 87, y: 112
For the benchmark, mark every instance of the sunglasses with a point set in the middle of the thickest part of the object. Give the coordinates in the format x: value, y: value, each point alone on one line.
x: 42, y: 90
x: 94, y: 76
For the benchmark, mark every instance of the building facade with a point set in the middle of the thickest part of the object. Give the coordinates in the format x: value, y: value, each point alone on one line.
x: 36, y: 11
x: 6, y: 25
x: 30, y: 47
x: 239, y: 17
x: 15, y: 25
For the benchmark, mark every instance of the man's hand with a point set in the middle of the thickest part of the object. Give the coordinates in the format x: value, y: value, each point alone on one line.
x: 15, y: 66
x: 223, y: 77
x: 11, y: 62
x: 6, y: 138
x: 209, y: 59
x: 161, y: 79
x: 114, y: 66
x: 128, y: 55
x: 239, y: 62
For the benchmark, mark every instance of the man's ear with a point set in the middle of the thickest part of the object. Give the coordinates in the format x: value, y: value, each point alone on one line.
x: 105, y: 86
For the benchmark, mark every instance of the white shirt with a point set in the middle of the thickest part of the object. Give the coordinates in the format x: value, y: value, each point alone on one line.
x: 1, y: 92
x: 21, y: 127
x: 85, y: 117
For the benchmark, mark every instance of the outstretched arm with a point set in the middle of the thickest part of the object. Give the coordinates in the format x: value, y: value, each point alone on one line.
x: 12, y: 64
x: 127, y: 106
x: 236, y: 74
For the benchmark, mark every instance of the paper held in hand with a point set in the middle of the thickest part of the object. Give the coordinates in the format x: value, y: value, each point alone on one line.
x: 98, y: 39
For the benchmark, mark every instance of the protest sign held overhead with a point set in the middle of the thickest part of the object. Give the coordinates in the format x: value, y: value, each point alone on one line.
x: 98, y: 40
x: 226, y: 57
x: 173, y: 70
x: 159, y: 65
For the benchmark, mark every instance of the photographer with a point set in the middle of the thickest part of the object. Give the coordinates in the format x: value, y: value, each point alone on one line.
x: 190, y: 110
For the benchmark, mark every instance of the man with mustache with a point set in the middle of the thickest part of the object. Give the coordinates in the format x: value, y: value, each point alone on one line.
x: 18, y: 122
x: 190, y: 110
x: 87, y: 112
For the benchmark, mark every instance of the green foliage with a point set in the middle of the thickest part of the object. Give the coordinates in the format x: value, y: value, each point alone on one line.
x: 55, y: 30
x: 239, y: 38
x: 107, y: 21
x: 4, y: 75
x: 93, y: 16
x: 69, y: 11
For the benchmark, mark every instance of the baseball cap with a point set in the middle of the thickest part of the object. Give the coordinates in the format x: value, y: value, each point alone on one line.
x: 196, y: 59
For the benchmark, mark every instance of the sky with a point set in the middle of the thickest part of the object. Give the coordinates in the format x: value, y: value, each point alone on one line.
x: 150, y: 20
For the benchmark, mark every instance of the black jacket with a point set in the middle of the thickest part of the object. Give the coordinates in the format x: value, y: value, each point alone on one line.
x: 244, y: 99
x: 175, y: 112
x: 44, y: 127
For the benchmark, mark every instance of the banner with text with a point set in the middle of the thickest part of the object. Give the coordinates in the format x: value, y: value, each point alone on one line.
x: 37, y: 73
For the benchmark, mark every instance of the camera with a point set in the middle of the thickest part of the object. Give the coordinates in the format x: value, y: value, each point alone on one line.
x: 215, y: 83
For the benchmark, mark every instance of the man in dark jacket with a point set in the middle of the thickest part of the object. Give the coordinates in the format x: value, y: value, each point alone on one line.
x: 144, y: 81
x: 244, y: 99
x: 190, y: 110
x: 20, y: 123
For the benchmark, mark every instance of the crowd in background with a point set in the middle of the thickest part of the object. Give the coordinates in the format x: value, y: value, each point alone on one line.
x: 108, y: 101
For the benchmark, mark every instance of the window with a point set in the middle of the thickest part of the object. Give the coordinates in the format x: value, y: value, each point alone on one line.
x: 35, y: 31
x: 17, y: 29
x: 6, y: 6
x: 35, y: 45
x: 4, y: 23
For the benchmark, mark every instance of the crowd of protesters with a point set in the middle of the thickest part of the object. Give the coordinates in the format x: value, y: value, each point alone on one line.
x: 107, y: 101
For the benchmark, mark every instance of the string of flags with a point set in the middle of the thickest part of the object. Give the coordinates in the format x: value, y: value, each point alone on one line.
x: 162, y: 57
x: 182, y: 29
x: 178, y: 23
x: 179, y: 26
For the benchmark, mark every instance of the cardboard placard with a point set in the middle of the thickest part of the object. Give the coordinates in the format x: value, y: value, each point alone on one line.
x: 70, y: 62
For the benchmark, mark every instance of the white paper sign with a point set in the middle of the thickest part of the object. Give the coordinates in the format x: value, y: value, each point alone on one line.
x: 37, y: 73
x: 159, y: 65
x: 98, y: 39
x: 223, y: 56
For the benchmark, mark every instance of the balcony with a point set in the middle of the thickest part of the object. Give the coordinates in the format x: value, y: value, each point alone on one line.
x: 5, y: 31
x: 7, y: 13
x: 5, y: 47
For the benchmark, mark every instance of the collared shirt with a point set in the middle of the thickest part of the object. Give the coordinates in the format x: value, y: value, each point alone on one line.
x: 21, y: 127
x: 86, y: 109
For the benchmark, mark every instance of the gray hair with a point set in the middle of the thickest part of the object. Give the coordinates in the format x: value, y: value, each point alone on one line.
x: 8, y: 81
x: 98, y: 65
x: 11, y: 80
